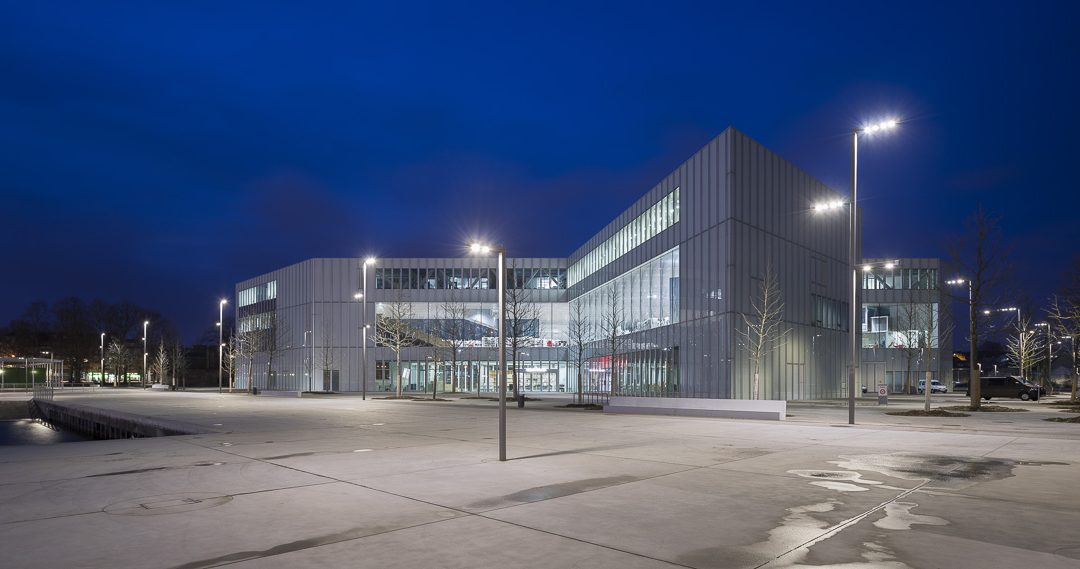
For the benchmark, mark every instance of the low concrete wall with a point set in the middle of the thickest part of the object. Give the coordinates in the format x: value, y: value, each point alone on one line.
x: 10, y: 410
x: 108, y: 424
x: 690, y: 407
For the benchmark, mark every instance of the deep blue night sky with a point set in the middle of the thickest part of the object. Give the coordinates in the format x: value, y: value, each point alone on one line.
x: 161, y: 152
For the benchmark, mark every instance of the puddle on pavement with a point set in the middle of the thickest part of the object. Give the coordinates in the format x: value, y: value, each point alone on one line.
x: 894, y: 515
x: 898, y: 516
x: 549, y: 491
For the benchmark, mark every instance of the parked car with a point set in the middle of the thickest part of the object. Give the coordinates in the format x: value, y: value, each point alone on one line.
x: 935, y: 386
x: 1008, y: 386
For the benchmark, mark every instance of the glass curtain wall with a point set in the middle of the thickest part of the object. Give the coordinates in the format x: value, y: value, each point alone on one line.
x: 480, y: 326
x: 900, y: 325
x: 658, y: 217
x: 548, y: 375
x: 649, y: 296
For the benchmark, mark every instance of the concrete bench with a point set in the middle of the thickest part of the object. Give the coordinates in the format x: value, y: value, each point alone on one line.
x: 691, y: 407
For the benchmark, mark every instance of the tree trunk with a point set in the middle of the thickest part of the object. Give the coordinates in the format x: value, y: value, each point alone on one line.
x: 757, y: 375
x: 581, y: 395
x: 434, y: 381
x: 926, y: 390
x: 399, y: 371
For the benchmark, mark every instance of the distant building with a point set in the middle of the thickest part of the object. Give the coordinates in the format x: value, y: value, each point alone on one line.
x: 906, y: 325
x: 684, y: 260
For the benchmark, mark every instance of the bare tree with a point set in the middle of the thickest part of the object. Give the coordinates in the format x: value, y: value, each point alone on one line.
x: 272, y: 340
x: 933, y: 329
x: 910, y: 334
x: 159, y: 365
x: 179, y: 364
x: 453, y: 332
x: 1023, y: 346
x: 392, y: 329
x: 229, y: 356
x: 983, y: 261
x: 522, y: 325
x: 580, y: 333
x: 765, y: 328
x: 327, y: 353
x: 247, y: 345
x: 613, y: 331
x: 1065, y: 318
x: 433, y: 361
x: 120, y: 357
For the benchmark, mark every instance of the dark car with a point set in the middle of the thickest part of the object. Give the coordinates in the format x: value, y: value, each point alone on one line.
x: 1008, y: 386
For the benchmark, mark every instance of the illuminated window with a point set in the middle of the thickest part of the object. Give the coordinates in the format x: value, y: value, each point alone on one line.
x: 660, y: 216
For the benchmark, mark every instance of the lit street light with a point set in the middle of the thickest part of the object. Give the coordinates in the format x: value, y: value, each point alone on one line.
x: 853, y: 247
x: 142, y: 380
x: 48, y: 368
x: 363, y: 329
x: 481, y: 249
x: 221, y: 345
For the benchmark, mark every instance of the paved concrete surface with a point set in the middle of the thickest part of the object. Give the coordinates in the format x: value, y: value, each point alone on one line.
x: 340, y: 482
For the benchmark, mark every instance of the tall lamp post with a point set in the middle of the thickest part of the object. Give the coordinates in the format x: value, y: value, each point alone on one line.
x: 481, y: 249
x: 853, y: 248
x: 220, y: 330
x: 363, y: 329
x: 103, y: 359
x: 48, y: 368
x: 145, y: 324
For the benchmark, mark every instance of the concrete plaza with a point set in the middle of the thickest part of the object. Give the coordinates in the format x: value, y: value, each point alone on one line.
x: 340, y: 482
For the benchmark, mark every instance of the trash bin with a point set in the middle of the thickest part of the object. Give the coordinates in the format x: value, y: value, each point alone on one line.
x: 521, y: 400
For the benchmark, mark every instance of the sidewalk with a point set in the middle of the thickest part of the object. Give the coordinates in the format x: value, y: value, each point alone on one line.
x: 295, y: 482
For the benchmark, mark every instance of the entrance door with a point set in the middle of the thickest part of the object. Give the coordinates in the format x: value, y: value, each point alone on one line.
x: 872, y: 374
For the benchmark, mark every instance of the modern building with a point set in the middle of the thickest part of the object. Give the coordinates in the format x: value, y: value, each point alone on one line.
x: 673, y: 279
x: 906, y: 325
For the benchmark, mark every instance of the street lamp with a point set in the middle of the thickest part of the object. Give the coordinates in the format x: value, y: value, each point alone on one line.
x: 48, y: 368
x: 221, y: 345
x: 142, y: 380
x: 853, y: 249
x: 102, y: 359
x: 482, y: 249
x: 363, y: 329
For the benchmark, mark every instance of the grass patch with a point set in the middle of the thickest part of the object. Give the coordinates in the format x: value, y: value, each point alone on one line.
x: 985, y: 409
x: 941, y: 412
x: 585, y: 406
x: 1064, y: 403
x: 1075, y: 419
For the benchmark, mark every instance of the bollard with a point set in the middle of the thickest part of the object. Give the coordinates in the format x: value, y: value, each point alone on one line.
x: 521, y: 400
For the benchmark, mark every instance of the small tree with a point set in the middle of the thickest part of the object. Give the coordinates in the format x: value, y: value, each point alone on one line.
x: 247, y: 345
x: 159, y: 365
x: 765, y: 328
x: 453, y: 332
x: 433, y: 361
x: 120, y: 358
x: 1023, y: 346
x: 179, y: 364
x: 522, y: 319
x: 613, y: 331
x: 910, y: 339
x: 327, y: 354
x: 271, y: 341
x: 1065, y: 318
x: 228, y: 359
x: 580, y: 333
x: 392, y: 330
